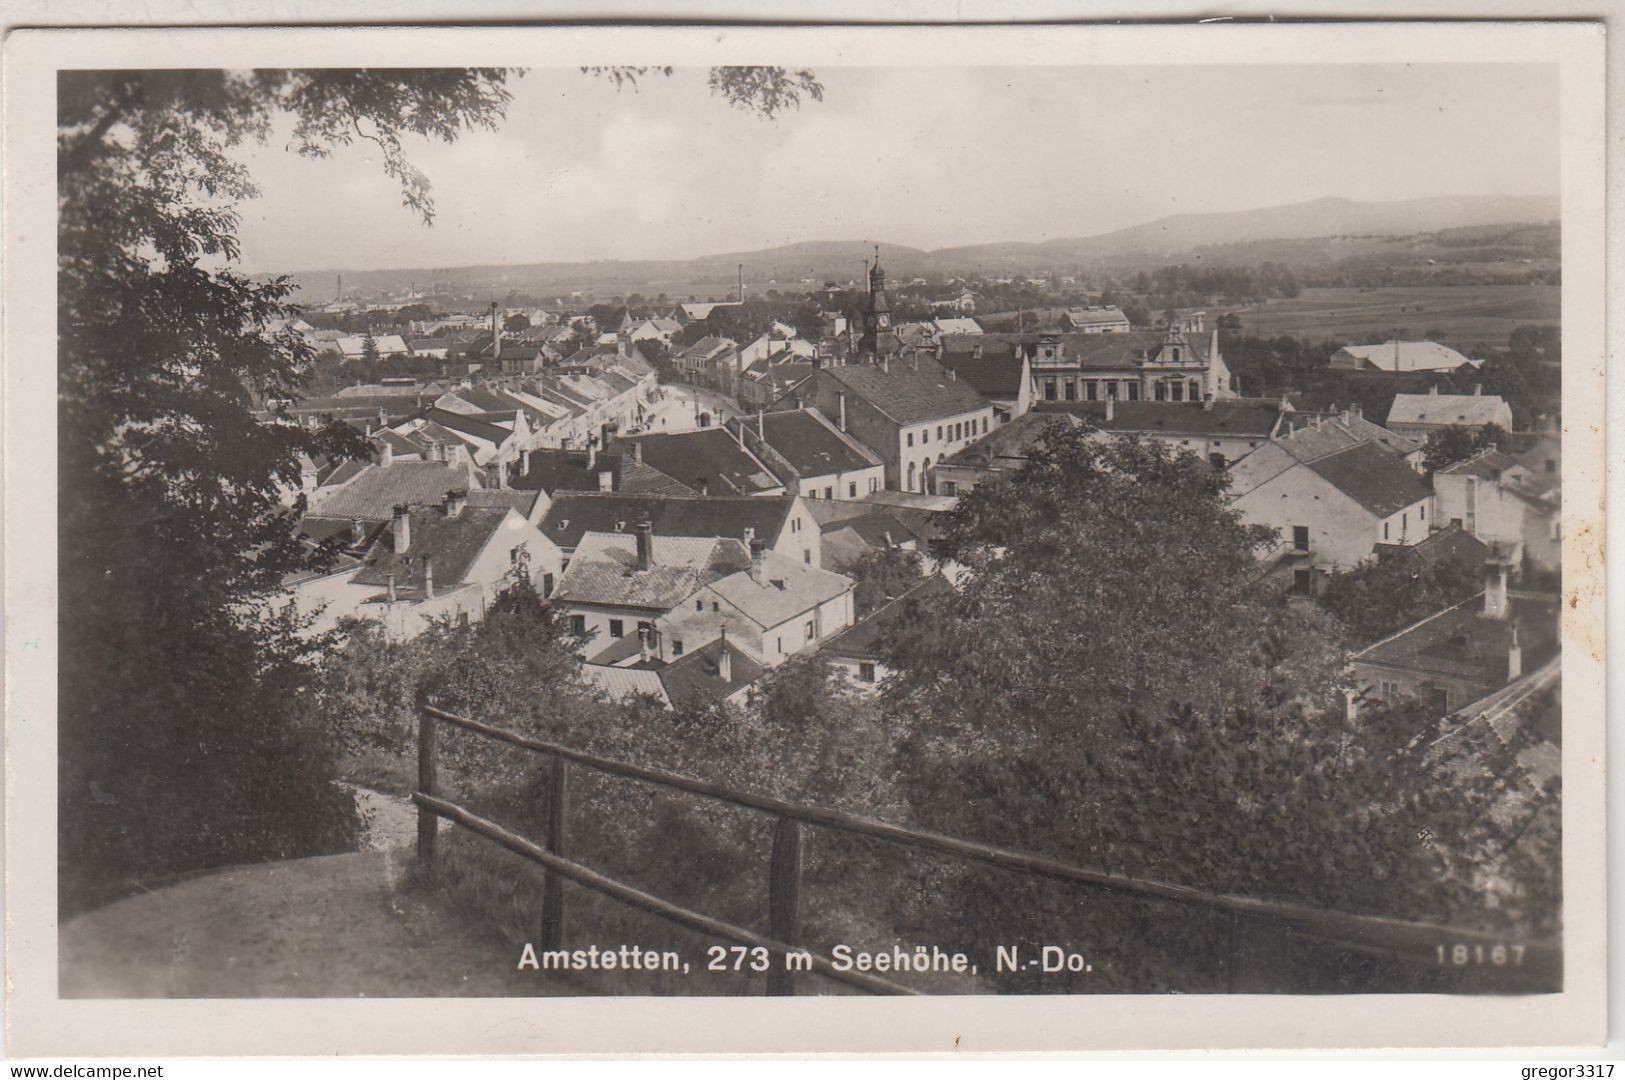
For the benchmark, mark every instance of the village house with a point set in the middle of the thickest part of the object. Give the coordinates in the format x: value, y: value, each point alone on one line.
x: 1331, y: 512
x: 1301, y: 439
x: 555, y: 471
x: 1462, y: 654
x: 1503, y: 502
x: 1420, y: 415
x: 860, y: 652
x: 1401, y: 358
x: 711, y: 361
x: 765, y: 382
x: 815, y: 458
x: 446, y: 561
x: 712, y: 461
x: 995, y: 366
x: 1003, y: 450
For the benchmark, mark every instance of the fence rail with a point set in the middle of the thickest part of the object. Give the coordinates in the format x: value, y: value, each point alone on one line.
x: 1411, y: 942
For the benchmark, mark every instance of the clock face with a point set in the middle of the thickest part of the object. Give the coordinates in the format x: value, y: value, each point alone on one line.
x: 885, y: 321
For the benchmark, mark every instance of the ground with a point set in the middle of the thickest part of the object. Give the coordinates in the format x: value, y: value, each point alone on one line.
x: 678, y: 409
x: 1464, y: 315
x: 352, y: 925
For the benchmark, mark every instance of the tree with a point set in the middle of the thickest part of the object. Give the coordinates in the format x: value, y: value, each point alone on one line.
x: 369, y: 349
x: 880, y: 576
x: 516, y: 323
x: 1381, y: 597
x: 1450, y: 445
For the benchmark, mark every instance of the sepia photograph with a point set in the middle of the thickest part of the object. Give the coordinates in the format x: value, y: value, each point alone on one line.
x: 982, y: 517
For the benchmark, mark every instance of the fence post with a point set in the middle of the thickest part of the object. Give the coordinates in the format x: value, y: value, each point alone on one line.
x: 428, y: 824
x: 784, y: 901
x: 558, y: 808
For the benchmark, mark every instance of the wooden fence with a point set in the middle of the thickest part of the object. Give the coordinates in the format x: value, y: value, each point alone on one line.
x: 1418, y: 946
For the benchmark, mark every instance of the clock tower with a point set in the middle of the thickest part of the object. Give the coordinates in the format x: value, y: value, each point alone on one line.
x: 878, y: 339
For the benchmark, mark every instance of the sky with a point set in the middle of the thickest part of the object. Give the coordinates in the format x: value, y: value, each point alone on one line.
x: 926, y: 157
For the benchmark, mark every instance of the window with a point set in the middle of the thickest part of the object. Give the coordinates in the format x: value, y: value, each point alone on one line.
x: 1160, y: 392
x: 1071, y: 390
x: 1091, y: 391
x: 1302, y: 582
x: 1176, y: 355
x: 547, y: 585
x: 852, y: 489
x: 946, y: 487
x: 1217, y: 461
x: 874, y: 483
x: 811, y: 633
x: 910, y: 476
x: 1390, y: 691
x: 1134, y: 391
x: 677, y: 646
x: 925, y: 435
x: 699, y: 605
x: 829, y: 493
x: 1422, y: 513
x: 1196, y: 390
x: 866, y: 672
x: 1049, y: 389
x: 1385, y: 530
x: 578, y: 624
x: 984, y: 425
x: 806, y: 556
x: 1176, y: 391
x: 911, y: 438
x: 1300, y: 538
x: 715, y: 606
x: 1111, y: 390
x: 617, y: 628
x: 939, y: 433
x: 780, y: 640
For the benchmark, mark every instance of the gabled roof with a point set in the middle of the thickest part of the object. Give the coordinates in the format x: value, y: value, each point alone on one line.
x: 789, y: 587
x: 1234, y: 417
x: 865, y: 639
x: 811, y: 445
x: 1095, y: 316
x: 373, y: 495
x: 554, y: 471
x: 995, y: 370
x: 1007, y: 446
x: 1450, y: 544
x: 453, y: 542
x: 621, y: 683
x: 471, y: 426
x: 910, y: 390
x: 1461, y: 641
x: 522, y: 502
x: 1127, y: 349
x: 964, y: 325
x: 709, y: 459
x: 707, y: 347
x: 1487, y: 464
x: 1467, y: 410
x: 1402, y: 356
x: 696, y: 679
x: 1372, y: 477
x: 604, y: 569
x: 573, y: 515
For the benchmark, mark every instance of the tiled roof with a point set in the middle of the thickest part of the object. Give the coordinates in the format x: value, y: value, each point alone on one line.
x: 1451, y: 543
x: 572, y: 515
x: 696, y: 679
x: 865, y: 639
x: 468, y: 425
x: 1096, y: 316
x: 621, y: 684
x: 1487, y: 464
x: 374, y: 494
x: 710, y: 458
x: 1127, y: 349
x: 1461, y: 641
x: 524, y: 502
x: 554, y: 471
x: 1245, y: 417
x: 1007, y: 445
x: 1472, y: 410
x: 910, y: 390
x: 1372, y: 477
x: 604, y: 569
x: 788, y: 588
x: 807, y: 441
x: 453, y: 542
x: 997, y: 372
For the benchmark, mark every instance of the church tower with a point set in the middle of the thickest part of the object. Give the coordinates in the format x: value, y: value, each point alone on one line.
x: 879, y: 341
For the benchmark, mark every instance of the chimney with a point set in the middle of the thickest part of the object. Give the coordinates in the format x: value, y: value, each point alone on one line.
x: 976, y: 351
x: 750, y: 534
x: 644, y: 634
x: 761, y: 430
x: 358, y: 533
x: 757, y: 548
x: 1478, y: 389
x: 524, y: 463
x: 840, y: 405
x: 1514, y: 655
x: 725, y: 666
x: 634, y: 450
x: 703, y: 486
x: 1495, y: 588
x: 1111, y: 402
x: 592, y: 452
x: 646, y: 544
x: 502, y: 475
x: 1434, y: 390
x: 456, y: 499
x: 739, y: 433
x: 606, y: 480
x: 1207, y: 402
x: 953, y: 374
x: 389, y: 578
x: 428, y: 577
x: 386, y: 454
x: 885, y: 364
x: 403, y: 528
x: 606, y: 432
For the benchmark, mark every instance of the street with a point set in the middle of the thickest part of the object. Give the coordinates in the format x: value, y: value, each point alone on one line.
x: 682, y: 406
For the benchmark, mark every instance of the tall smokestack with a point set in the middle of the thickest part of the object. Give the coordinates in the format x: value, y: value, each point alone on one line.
x: 725, y: 667
x: 1514, y: 655
x: 741, y: 283
x: 496, y: 335
x: 403, y: 527
x: 428, y: 577
x: 646, y: 544
x: 758, y: 548
x: 840, y: 403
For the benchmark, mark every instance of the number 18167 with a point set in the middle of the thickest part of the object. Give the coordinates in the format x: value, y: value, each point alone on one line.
x: 1463, y: 955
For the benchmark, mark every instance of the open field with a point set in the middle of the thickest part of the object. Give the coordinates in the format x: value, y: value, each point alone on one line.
x: 1461, y: 314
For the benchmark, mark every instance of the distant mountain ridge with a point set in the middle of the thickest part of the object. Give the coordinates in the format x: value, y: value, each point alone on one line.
x: 840, y: 259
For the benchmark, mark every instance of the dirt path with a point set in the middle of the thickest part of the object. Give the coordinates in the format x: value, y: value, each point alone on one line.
x: 334, y: 926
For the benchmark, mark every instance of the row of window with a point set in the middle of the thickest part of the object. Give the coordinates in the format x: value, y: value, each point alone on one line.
x: 964, y: 429
x: 851, y: 489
